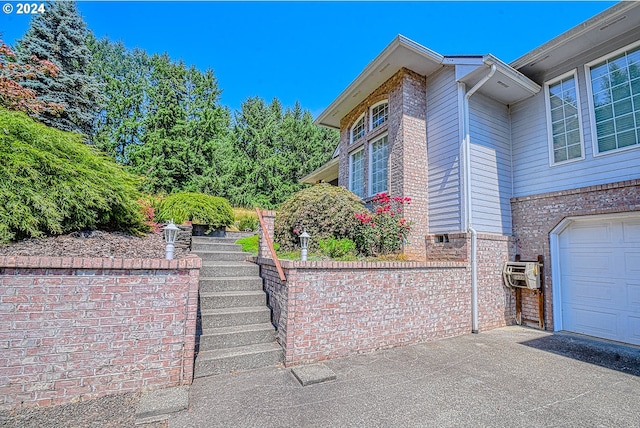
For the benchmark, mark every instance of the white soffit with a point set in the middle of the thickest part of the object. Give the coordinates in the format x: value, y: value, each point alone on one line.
x: 507, y: 85
x: 619, y: 19
x: 401, y: 52
x: 327, y: 172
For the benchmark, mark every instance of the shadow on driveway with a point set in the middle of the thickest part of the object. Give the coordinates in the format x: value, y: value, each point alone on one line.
x: 614, y: 356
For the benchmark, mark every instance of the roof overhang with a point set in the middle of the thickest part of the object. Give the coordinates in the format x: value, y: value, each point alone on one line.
x: 326, y: 173
x: 617, y: 20
x: 507, y: 85
x: 401, y: 52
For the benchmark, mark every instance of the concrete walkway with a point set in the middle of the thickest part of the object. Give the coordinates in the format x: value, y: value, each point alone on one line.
x: 508, y: 377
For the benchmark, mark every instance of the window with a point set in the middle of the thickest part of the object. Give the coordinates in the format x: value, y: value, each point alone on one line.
x: 563, y: 119
x: 357, y: 130
x: 615, y: 93
x: 379, y: 164
x: 356, y: 173
x: 379, y: 114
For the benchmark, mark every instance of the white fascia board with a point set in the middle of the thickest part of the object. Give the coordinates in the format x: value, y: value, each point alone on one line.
x: 326, y: 172
x: 604, y: 18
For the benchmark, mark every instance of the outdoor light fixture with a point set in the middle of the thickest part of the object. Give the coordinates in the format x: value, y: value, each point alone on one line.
x: 304, y: 243
x: 170, y: 234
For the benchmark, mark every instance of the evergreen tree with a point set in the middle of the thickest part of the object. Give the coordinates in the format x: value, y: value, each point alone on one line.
x: 124, y: 77
x: 59, y: 35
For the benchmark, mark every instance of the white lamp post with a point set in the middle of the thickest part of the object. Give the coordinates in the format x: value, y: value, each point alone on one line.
x: 170, y: 234
x: 304, y: 243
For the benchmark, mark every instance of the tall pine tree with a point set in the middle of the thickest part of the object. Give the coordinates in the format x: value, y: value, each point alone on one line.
x: 59, y: 35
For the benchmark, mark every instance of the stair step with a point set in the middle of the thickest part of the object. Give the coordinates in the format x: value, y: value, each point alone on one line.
x: 197, y: 246
x: 242, y: 335
x: 231, y: 283
x: 219, y: 256
x: 226, y: 269
x: 227, y: 317
x: 232, y: 299
x: 240, y: 358
x: 210, y: 240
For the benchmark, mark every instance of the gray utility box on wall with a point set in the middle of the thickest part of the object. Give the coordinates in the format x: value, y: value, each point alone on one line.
x: 522, y: 275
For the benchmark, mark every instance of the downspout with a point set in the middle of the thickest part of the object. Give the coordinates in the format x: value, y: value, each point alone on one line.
x: 466, y: 147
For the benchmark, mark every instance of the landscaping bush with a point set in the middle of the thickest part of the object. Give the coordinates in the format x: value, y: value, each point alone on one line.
x: 337, y: 248
x: 245, y: 219
x: 325, y: 212
x: 197, y: 208
x: 51, y: 183
x: 383, y: 231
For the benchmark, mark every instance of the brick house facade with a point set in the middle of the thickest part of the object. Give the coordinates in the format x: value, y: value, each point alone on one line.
x: 535, y: 158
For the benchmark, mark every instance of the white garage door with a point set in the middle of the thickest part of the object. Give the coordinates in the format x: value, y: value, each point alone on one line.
x: 600, y: 277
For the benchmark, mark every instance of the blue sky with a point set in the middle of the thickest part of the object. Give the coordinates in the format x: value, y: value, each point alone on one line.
x: 310, y: 51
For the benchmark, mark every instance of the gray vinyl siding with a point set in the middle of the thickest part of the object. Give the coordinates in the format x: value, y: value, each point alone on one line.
x: 491, y: 186
x: 532, y: 172
x: 443, y: 142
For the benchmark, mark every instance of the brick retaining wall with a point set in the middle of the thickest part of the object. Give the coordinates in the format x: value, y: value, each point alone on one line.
x: 80, y: 328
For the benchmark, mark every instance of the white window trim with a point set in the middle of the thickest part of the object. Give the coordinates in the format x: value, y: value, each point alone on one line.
x: 351, y: 140
x: 592, y: 110
x: 370, y: 161
x: 547, y: 104
x: 351, y: 171
x: 371, y: 113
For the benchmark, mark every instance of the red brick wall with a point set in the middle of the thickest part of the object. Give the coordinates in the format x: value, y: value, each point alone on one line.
x: 80, y: 328
x: 534, y: 217
x: 406, y: 128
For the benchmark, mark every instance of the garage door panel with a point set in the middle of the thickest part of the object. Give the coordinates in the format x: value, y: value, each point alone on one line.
x: 632, y: 263
x: 590, y: 292
x: 634, y: 330
x: 594, y: 323
x: 631, y: 231
x: 633, y: 296
x: 599, y: 260
x: 590, y: 234
x: 580, y: 263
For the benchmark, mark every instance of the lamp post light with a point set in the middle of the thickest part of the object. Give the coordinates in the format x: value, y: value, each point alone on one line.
x: 170, y: 234
x: 304, y: 243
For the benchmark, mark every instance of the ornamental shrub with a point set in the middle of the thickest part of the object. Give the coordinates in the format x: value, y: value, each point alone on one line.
x: 337, y: 248
x: 197, y: 208
x: 324, y: 211
x: 383, y: 231
x: 52, y: 183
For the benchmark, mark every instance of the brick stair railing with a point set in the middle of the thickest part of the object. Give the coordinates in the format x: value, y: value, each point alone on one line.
x: 237, y: 333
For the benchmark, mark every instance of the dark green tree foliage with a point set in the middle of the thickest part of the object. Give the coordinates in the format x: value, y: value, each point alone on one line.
x: 52, y: 183
x: 275, y: 148
x: 123, y: 75
x: 59, y: 35
x: 185, y: 144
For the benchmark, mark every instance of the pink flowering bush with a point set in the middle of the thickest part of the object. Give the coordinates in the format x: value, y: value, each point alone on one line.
x: 383, y: 230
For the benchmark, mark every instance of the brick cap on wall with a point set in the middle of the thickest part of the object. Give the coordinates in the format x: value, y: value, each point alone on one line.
x: 588, y: 189
x: 328, y: 264
x: 189, y: 262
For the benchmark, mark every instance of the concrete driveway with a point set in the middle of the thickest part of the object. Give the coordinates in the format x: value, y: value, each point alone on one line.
x: 508, y: 377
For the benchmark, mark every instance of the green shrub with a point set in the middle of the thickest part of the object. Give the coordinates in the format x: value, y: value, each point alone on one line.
x: 247, y: 222
x: 197, y: 208
x: 325, y: 212
x: 53, y: 183
x: 337, y: 248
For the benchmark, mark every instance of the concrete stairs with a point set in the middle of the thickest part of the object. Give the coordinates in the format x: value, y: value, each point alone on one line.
x: 236, y: 330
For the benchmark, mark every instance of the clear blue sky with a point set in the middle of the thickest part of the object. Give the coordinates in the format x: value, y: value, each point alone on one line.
x: 310, y: 51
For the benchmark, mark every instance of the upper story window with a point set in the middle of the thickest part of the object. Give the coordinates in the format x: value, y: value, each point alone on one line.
x: 356, y: 172
x: 615, y: 96
x: 357, y: 130
x: 379, y: 114
x: 379, y: 161
x: 564, y: 124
